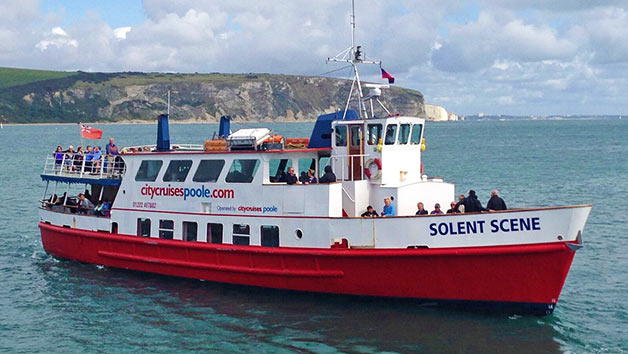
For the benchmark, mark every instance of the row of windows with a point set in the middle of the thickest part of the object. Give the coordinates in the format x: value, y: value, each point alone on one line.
x: 241, y: 233
x: 407, y: 133
x: 241, y: 171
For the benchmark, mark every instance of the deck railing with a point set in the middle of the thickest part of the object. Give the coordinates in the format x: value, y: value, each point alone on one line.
x: 75, y: 165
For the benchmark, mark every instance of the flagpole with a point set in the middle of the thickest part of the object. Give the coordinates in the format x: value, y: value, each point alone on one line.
x: 81, y: 133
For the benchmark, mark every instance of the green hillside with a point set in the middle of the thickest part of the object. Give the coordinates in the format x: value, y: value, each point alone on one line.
x: 38, y: 96
x: 14, y: 77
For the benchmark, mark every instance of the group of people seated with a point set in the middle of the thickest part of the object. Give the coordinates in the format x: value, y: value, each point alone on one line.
x: 80, y: 204
x: 468, y: 204
x: 308, y: 177
x: 93, y: 158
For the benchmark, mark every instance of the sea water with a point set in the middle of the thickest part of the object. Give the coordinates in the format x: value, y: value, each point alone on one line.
x: 48, y: 305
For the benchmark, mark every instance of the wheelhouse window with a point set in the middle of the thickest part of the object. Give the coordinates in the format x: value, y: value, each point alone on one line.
x: 269, y: 235
x: 241, y: 234
x: 404, y: 134
x: 391, y: 134
x: 177, y: 171
x: 214, y: 233
x: 143, y: 227
x: 242, y: 171
x: 415, y: 138
x: 356, y: 135
x: 341, y: 135
x: 190, y: 231
x: 374, y: 133
x: 148, y: 171
x: 278, y: 169
x: 208, y: 171
x: 166, y: 229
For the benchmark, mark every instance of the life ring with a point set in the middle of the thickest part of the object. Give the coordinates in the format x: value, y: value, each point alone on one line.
x: 373, y: 169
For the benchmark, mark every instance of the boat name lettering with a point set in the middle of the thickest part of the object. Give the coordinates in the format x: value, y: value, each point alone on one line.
x: 186, y: 193
x: 475, y: 227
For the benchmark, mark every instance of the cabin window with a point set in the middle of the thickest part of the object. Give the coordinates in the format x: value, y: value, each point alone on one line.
x: 166, y: 229
x: 242, y: 171
x: 356, y: 135
x: 143, y: 227
x: 374, y: 133
x: 278, y: 169
x: 214, y: 233
x: 341, y: 135
x: 190, y: 230
x: 404, y: 134
x: 415, y: 138
x: 270, y: 235
x: 208, y: 170
x: 241, y: 234
x: 148, y: 171
x: 304, y: 166
x: 177, y: 171
x: 391, y: 134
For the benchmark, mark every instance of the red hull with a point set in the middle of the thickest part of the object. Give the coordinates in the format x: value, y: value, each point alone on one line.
x: 530, y: 275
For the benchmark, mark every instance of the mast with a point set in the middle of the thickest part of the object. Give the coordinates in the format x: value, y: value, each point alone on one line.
x: 353, y: 56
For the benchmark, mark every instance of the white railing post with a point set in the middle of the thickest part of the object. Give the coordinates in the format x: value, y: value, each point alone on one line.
x: 82, y: 167
x: 62, y: 164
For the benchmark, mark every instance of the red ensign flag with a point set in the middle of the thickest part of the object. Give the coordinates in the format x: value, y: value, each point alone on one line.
x: 387, y: 75
x: 88, y: 132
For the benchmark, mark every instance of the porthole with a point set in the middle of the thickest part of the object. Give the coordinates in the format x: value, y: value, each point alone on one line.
x: 298, y: 233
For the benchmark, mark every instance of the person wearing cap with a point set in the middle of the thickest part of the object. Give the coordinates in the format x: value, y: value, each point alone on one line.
x: 421, y: 210
x: 437, y: 209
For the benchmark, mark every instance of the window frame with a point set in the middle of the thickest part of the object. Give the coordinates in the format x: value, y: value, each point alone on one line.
x: 200, y: 165
x: 169, y: 173
x: 337, y: 133
x: 275, y: 239
x: 252, y: 177
x: 369, y: 133
x: 186, y: 231
x: 210, y: 234
x: 140, y: 225
x: 165, y: 232
x: 407, y: 136
x: 147, y: 179
x: 417, y: 142
x: 394, y: 138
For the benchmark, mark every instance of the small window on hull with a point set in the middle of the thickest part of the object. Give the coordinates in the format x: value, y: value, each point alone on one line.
x: 143, y: 227
x: 241, y: 234
x: 214, y: 233
x: 190, y: 230
x: 269, y: 235
x: 166, y: 229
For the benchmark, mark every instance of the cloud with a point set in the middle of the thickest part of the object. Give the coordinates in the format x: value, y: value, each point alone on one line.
x: 509, y: 56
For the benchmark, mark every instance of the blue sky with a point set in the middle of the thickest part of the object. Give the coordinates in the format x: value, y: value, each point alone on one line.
x: 522, y: 57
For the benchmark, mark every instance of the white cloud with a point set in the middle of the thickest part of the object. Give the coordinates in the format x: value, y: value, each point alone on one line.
x: 515, y: 56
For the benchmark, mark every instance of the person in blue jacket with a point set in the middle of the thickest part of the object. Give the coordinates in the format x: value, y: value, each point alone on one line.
x: 389, y: 209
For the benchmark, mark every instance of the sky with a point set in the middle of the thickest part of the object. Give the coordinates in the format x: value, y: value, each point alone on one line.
x: 513, y: 57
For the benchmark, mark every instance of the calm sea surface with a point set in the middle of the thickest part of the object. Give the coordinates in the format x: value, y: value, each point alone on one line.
x: 62, y: 306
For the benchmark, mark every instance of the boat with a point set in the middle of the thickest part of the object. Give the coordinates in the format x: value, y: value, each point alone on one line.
x: 224, y: 210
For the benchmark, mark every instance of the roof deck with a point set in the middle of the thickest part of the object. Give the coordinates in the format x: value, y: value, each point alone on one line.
x: 74, y: 168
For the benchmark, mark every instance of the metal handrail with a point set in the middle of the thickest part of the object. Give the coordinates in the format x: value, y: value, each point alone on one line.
x: 107, y: 166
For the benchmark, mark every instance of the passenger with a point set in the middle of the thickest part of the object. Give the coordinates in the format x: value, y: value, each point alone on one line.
x: 311, y: 177
x: 329, y: 175
x: 89, y: 156
x: 421, y: 210
x: 436, y: 210
x: 146, y: 149
x: 303, y: 177
x: 472, y: 204
x: 496, y: 202
x: 69, y: 156
x: 96, y: 159
x: 453, y: 208
x: 84, y: 204
x: 460, y: 205
x: 291, y: 178
x: 112, y: 152
x: 98, y: 208
x: 370, y: 212
x: 58, y: 154
x: 389, y: 209
x: 78, y: 158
